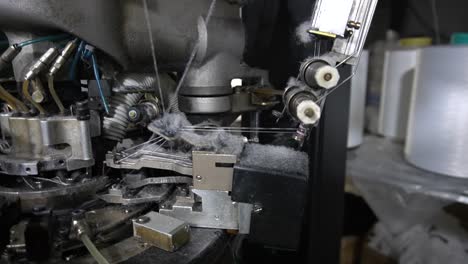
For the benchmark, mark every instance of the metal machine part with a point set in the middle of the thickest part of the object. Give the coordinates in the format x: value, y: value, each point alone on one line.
x: 144, y: 83
x: 213, y: 171
x: 318, y: 73
x: 144, y: 112
x: 330, y: 18
x: 8, y: 56
x: 116, y: 124
x: 161, y: 231
x: 258, y: 189
x: 300, y: 104
x: 149, y: 194
x: 101, y: 23
x: 49, y: 195
x: 204, y: 105
x: 347, y: 22
x: 209, y: 209
x: 63, y: 57
x: 207, y: 89
x: 46, y: 143
x: 42, y: 64
x: 149, y: 159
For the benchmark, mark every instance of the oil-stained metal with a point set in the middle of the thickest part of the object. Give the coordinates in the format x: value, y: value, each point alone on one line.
x: 162, y: 231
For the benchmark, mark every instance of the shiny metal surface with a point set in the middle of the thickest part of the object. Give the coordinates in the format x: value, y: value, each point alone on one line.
x: 205, y: 105
x: 217, y: 210
x: 437, y: 138
x: 54, y: 196
x: 155, y: 160
x: 213, y: 171
x: 161, y: 231
x: 358, y: 102
x: 119, y: 195
x: 115, y: 125
x: 45, y: 144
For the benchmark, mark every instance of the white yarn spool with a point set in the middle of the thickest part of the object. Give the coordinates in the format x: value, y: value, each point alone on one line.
x: 437, y: 138
x: 397, y: 83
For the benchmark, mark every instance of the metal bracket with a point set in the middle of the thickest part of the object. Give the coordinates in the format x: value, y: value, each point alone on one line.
x: 161, y: 231
x: 213, y: 171
x: 217, y: 210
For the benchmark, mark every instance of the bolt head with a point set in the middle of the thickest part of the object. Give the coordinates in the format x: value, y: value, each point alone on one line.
x: 38, y: 96
x: 132, y: 114
x: 143, y: 219
x: 198, y: 177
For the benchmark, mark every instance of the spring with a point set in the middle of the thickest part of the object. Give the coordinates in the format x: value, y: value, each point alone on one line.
x: 116, y: 124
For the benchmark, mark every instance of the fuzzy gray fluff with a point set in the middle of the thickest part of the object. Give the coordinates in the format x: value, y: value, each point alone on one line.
x: 294, y: 82
x: 276, y: 158
x: 302, y: 35
x: 170, y: 127
x: 220, y: 142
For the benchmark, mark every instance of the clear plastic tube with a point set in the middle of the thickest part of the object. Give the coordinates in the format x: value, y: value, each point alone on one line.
x: 56, y: 98
x: 93, y: 250
x: 11, y: 100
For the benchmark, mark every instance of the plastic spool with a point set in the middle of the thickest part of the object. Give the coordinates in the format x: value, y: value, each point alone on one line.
x: 397, y: 83
x: 358, y: 102
x: 437, y: 138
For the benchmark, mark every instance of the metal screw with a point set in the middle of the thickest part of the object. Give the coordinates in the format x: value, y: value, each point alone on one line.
x: 132, y: 114
x: 327, y: 77
x: 217, y: 217
x: 199, y: 177
x: 353, y: 24
x: 38, y: 96
x: 143, y: 219
x: 257, y: 208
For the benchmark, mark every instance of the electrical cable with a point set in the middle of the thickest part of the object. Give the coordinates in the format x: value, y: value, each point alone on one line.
x: 76, y: 60
x: 42, y: 39
x: 98, y: 80
x: 53, y: 92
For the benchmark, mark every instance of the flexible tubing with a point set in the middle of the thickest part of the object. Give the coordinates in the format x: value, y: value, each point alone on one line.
x: 93, y: 250
x: 56, y: 98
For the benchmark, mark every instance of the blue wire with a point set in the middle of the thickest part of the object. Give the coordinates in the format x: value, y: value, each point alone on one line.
x: 76, y: 60
x: 48, y: 38
x: 98, y: 80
